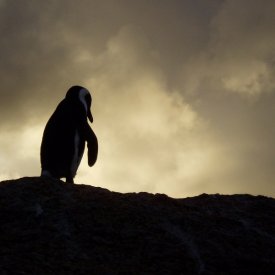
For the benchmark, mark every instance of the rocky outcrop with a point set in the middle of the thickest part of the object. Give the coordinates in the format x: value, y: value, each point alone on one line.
x: 49, y: 227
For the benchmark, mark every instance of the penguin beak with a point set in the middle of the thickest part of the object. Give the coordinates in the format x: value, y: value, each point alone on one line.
x: 90, y: 117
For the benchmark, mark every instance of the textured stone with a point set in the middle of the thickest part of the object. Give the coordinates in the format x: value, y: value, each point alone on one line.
x: 49, y: 227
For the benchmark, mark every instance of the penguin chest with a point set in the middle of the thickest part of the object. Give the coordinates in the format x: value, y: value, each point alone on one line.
x: 77, y: 152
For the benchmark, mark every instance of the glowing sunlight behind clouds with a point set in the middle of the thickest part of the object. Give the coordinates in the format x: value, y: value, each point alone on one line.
x: 144, y: 130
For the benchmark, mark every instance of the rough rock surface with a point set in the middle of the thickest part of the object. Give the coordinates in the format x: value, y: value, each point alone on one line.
x: 49, y: 227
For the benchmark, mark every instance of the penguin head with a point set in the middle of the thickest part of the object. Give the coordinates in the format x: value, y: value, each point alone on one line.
x: 78, y: 94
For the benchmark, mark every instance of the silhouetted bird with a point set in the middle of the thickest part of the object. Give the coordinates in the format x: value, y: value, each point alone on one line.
x: 65, y: 134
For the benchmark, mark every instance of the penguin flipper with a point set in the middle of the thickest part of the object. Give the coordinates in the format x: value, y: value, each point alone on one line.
x: 92, y: 145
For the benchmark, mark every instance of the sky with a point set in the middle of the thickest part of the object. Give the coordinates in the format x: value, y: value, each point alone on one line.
x: 183, y: 90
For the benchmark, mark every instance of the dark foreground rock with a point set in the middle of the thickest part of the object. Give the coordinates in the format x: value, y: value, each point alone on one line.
x: 49, y: 227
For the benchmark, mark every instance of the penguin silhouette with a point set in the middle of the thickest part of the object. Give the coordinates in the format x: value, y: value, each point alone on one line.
x: 65, y: 135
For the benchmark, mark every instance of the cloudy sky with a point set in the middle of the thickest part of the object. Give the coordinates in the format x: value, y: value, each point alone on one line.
x: 183, y: 90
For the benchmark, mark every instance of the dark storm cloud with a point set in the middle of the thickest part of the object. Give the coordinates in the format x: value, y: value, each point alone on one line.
x: 202, y: 72
x: 40, y: 40
x: 31, y: 58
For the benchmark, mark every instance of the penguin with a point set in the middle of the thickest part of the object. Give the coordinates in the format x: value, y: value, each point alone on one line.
x: 65, y: 135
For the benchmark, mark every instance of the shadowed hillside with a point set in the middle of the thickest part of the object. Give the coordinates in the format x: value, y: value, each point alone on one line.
x: 49, y: 227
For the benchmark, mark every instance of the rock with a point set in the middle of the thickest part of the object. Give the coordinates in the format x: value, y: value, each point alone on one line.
x: 49, y: 227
